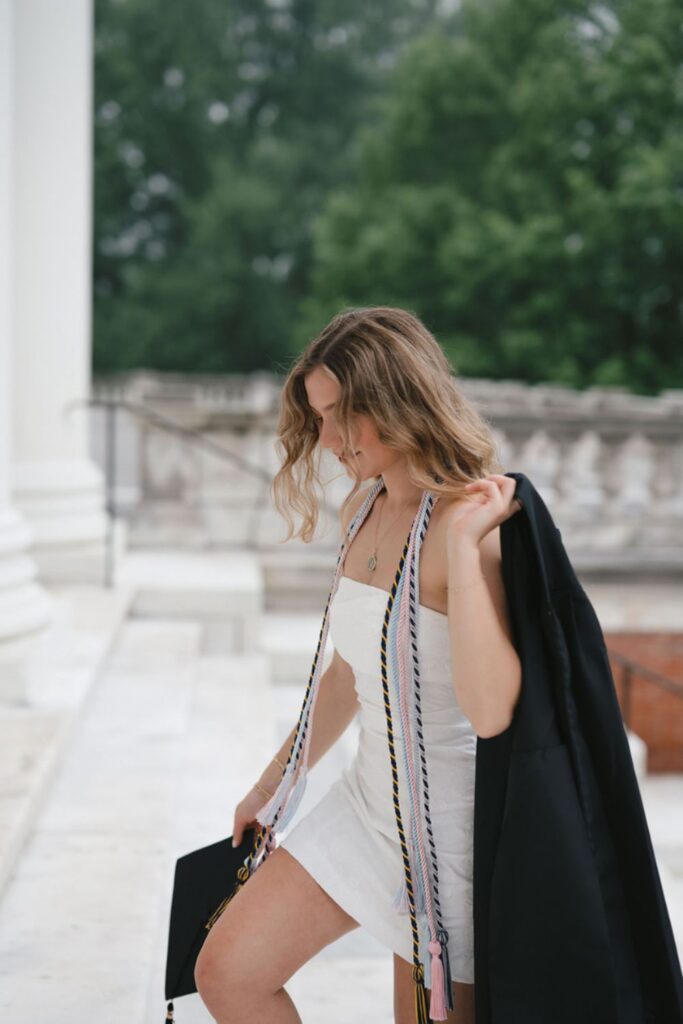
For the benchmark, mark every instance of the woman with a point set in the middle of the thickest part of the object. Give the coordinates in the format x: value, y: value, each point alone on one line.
x: 376, y: 390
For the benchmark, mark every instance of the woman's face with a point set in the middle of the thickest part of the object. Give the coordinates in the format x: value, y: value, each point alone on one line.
x: 372, y: 456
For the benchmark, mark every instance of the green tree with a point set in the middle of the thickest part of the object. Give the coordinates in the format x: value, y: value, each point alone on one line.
x: 524, y: 194
x: 221, y: 127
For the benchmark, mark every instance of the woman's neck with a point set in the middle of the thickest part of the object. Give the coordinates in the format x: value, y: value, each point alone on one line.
x: 400, y: 491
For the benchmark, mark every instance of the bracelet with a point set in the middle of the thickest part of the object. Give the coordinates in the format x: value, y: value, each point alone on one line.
x: 257, y: 785
x: 457, y: 589
x: 262, y: 789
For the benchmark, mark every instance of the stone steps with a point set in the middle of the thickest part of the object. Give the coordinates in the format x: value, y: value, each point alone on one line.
x: 79, y: 916
x: 224, y: 590
x: 229, y: 737
x: 662, y: 795
x: 289, y: 640
x: 35, y: 733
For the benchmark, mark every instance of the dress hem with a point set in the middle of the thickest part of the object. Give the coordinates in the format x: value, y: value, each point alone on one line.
x: 340, y: 897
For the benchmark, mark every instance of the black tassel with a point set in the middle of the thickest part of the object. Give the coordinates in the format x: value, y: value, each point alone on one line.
x: 421, y: 1011
x: 442, y: 936
x: 169, y: 1011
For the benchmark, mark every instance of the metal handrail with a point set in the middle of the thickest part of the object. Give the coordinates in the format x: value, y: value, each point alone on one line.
x: 164, y: 423
x: 631, y: 668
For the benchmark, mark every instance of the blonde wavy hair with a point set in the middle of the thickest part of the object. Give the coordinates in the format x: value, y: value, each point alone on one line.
x: 390, y: 367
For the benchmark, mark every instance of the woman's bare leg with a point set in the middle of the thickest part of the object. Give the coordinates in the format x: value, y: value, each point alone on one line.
x: 404, y: 996
x: 276, y: 922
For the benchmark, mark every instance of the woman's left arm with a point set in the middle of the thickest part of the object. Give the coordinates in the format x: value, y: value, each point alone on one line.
x: 487, y: 673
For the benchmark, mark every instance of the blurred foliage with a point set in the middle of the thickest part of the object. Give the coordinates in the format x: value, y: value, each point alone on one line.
x: 221, y: 127
x: 514, y: 175
x: 525, y: 194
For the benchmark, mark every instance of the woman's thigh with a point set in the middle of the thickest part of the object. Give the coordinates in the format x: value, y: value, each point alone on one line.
x: 404, y: 996
x: 273, y: 925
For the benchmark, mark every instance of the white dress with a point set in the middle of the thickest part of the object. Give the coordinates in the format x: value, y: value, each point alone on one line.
x: 349, y: 841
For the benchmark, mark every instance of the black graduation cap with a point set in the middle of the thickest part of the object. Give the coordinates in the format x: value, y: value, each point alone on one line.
x: 204, y: 881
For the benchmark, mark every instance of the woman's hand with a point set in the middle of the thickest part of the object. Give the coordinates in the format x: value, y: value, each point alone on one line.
x: 489, y: 503
x: 245, y: 814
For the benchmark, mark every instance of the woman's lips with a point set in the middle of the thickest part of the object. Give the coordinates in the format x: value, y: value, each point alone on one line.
x: 342, y: 458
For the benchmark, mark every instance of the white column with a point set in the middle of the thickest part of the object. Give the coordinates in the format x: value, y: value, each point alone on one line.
x: 24, y: 606
x: 56, y: 483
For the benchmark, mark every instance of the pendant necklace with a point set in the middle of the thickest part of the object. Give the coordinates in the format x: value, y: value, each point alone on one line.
x: 372, y: 560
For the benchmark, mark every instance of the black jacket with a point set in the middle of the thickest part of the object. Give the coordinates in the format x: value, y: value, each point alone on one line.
x: 570, y: 921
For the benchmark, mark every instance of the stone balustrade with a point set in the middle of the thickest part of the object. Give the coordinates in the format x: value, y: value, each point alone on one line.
x: 608, y: 463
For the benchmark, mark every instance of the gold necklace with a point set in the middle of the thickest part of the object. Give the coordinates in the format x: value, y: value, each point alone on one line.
x: 372, y: 560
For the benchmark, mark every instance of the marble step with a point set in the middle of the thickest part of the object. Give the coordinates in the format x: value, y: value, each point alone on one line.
x: 289, y: 639
x: 662, y: 795
x: 61, y: 666
x: 79, y: 914
x: 30, y: 746
x: 224, y: 589
x: 230, y: 735
x: 298, y: 577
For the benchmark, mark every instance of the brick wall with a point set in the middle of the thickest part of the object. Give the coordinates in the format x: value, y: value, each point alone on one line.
x: 655, y: 715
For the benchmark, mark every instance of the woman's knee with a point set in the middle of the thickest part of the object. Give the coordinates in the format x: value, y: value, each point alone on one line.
x: 273, y: 925
x: 226, y: 963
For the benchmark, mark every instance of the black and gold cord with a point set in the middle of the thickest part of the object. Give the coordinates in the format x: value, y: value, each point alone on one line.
x: 421, y: 1013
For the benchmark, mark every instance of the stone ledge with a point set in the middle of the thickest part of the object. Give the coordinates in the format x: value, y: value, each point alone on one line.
x: 224, y: 590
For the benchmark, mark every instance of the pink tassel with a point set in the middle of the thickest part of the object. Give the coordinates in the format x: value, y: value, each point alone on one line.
x: 437, y: 1004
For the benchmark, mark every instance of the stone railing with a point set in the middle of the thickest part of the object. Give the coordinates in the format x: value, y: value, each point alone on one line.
x: 608, y: 463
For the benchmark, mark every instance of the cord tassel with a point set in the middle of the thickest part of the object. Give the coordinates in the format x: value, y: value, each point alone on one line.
x: 442, y: 936
x: 169, y: 1011
x: 437, y: 1004
x: 421, y: 1016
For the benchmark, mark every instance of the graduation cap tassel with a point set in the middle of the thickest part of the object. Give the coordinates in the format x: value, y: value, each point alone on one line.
x: 442, y: 935
x: 169, y: 1011
x: 421, y: 1016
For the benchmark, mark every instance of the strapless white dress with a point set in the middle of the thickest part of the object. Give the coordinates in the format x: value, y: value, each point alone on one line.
x: 349, y: 841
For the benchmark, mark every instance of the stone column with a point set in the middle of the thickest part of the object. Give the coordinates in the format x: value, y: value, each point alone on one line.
x: 56, y: 484
x: 24, y: 606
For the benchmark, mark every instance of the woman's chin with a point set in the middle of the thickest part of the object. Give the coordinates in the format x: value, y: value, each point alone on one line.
x: 349, y: 469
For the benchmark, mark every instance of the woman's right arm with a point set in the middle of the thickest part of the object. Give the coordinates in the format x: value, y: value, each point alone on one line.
x: 335, y: 708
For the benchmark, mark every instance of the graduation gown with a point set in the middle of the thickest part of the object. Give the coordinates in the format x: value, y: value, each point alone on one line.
x: 570, y: 921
